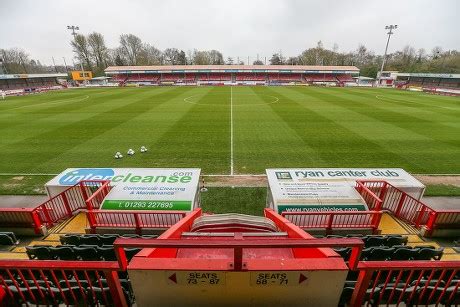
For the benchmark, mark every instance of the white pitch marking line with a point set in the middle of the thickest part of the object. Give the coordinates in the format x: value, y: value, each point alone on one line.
x: 52, y: 102
x: 231, y: 130
x: 380, y: 97
x: 27, y: 174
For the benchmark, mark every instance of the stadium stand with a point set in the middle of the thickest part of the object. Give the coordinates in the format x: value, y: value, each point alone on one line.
x: 8, y: 238
x: 27, y: 83
x: 84, y: 252
x: 446, y: 84
x: 250, y: 77
x: 241, y: 74
x: 92, y: 269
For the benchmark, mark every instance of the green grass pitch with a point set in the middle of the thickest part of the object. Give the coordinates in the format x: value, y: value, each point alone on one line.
x: 260, y: 127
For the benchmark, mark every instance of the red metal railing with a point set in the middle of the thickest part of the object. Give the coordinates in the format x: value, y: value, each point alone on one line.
x: 95, y: 200
x: 329, y: 220
x: 335, y: 220
x: 410, y: 209
x: 238, y: 246
x: 141, y: 219
x: 55, y: 209
x: 50, y: 282
x: 71, y: 200
x: 21, y: 217
x: 407, y: 283
x: 372, y: 200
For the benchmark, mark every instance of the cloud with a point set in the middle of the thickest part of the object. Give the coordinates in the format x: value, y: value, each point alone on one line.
x: 236, y: 27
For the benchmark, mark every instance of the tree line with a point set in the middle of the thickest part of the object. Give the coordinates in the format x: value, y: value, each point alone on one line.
x: 92, y: 51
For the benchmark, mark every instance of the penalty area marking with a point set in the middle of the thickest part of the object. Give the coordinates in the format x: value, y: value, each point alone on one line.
x: 52, y: 102
x: 383, y: 98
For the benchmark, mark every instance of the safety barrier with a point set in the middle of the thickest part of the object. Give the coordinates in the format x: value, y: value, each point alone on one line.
x: 52, y: 282
x: 21, y: 217
x: 329, y: 220
x: 95, y: 200
x: 70, y: 201
x: 238, y: 246
x: 335, y: 220
x: 55, y: 209
x: 410, y: 209
x: 406, y: 283
x: 138, y: 220
x: 372, y: 200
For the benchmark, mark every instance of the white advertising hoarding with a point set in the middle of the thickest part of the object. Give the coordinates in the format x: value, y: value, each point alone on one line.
x: 395, y: 176
x: 138, y: 188
x: 324, y: 189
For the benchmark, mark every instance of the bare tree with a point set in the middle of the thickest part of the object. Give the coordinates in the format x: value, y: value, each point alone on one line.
x: 98, y: 49
x: 131, y: 47
x: 81, y: 48
x: 277, y: 59
x: 15, y: 60
x: 215, y: 57
x: 182, y: 58
x: 171, y: 56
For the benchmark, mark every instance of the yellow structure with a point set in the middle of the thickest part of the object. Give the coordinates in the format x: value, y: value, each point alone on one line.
x: 81, y: 76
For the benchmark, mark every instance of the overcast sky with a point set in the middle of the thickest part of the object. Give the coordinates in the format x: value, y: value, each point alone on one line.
x: 234, y: 27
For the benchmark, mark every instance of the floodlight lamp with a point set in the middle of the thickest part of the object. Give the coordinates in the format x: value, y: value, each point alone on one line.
x: 76, y: 28
x: 396, y: 26
x: 68, y: 27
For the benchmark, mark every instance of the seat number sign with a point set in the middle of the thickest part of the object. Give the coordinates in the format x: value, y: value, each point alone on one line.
x: 196, y: 278
x: 273, y: 278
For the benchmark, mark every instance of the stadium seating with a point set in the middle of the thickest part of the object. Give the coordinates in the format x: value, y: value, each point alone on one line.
x: 274, y: 77
x: 418, y: 292
x: 237, y: 77
x: 383, y: 253
x: 320, y: 78
x: 214, y: 77
x: 344, y: 78
x: 52, y: 291
x: 8, y: 238
x: 98, y: 239
x: 376, y: 240
x: 390, y: 247
x: 71, y: 252
x: 28, y: 83
x: 86, y: 247
x: 249, y: 77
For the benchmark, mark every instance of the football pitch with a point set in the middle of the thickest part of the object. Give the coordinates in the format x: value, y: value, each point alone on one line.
x: 230, y: 130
